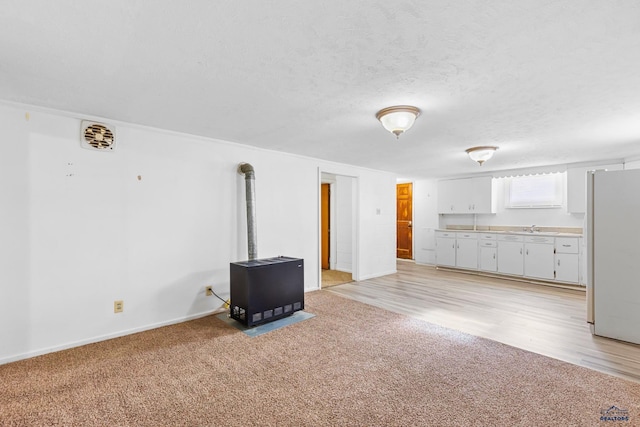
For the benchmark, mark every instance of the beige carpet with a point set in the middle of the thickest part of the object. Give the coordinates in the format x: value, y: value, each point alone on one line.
x: 352, y: 364
x: 335, y: 277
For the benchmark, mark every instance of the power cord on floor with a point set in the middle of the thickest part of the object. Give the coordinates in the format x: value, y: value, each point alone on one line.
x: 227, y: 303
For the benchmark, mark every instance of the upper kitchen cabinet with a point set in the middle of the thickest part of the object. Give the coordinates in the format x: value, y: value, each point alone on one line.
x: 577, y: 186
x: 466, y: 196
x: 449, y: 196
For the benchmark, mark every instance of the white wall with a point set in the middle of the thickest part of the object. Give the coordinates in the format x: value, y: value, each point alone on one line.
x: 377, y: 225
x: 425, y: 220
x: 80, y: 230
x: 15, y: 289
x: 375, y: 213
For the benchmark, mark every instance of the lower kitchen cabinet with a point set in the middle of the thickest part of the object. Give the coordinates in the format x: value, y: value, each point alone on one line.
x: 539, y: 257
x: 488, y: 257
x: 488, y: 252
x: 567, y: 259
x: 511, y: 254
x: 467, y: 250
x: 567, y: 268
x: 445, y: 249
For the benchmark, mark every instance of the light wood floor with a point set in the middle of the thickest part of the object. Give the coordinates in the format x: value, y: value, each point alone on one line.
x: 538, y: 318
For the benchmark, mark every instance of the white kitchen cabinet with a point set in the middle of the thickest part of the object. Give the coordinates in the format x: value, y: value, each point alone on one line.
x: 488, y: 253
x: 539, y: 257
x: 542, y: 257
x: 567, y: 259
x: 446, y: 248
x: 567, y: 268
x: 483, y: 200
x: 511, y: 254
x: 467, y: 250
x: 448, y: 196
x: 466, y: 196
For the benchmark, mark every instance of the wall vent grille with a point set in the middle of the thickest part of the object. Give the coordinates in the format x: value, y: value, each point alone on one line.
x: 97, y: 136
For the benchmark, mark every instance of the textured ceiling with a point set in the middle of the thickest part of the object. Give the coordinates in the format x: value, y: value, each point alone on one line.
x: 549, y: 82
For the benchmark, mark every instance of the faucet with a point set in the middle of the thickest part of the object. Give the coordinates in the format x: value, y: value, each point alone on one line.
x: 532, y: 230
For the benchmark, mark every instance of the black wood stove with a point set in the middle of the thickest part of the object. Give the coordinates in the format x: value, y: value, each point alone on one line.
x: 264, y: 290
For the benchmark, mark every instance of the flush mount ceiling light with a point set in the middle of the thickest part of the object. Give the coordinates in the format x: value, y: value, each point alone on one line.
x: 481, y: 154
x: 398, y: 119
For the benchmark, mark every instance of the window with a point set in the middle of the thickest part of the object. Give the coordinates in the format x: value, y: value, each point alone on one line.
x: 535, y: 191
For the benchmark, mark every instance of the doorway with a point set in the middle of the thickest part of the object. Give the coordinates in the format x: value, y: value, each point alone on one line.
x: 325, y: 224
x: 337, y: 229
x: 404, y: 220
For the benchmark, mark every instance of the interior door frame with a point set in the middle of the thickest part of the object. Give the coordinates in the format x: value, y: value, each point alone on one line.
x: 413, y: 222
x: 355, y: 241
x: 332, y: 218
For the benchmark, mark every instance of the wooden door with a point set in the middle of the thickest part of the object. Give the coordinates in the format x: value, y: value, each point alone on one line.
x: 404, y: 208
x: 324, y: 225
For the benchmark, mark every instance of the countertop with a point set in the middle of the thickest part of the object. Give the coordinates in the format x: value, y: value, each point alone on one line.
x: 521, y: 232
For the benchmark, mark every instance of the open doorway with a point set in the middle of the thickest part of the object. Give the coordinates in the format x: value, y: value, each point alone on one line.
x: 337, y: 229
x: 325, y: 225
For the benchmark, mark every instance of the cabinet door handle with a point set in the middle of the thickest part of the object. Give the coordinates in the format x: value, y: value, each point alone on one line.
x: 520, y: 251
x: 558, y: 262
x: 494, y: 256
x: 527, y: 251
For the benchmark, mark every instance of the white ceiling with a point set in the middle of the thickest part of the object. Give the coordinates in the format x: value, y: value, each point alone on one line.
x: 549, y: 82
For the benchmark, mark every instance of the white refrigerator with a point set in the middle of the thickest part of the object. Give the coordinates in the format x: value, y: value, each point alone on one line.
x: 613, y: 254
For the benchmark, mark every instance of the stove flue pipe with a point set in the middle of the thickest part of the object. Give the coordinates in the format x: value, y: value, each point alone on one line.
x: 250, y: 183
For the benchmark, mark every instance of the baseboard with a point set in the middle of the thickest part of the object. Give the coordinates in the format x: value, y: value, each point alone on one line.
x: 106, y: 337
x: 427, y: 264
x: 561, y: 285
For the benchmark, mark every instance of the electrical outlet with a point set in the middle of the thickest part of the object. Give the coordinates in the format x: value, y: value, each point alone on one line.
x: 208, y: 291
x: 118, y: 306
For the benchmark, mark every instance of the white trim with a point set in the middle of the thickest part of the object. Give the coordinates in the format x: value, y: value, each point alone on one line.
x: 413, y: 217
x: 355, y: 196
x: 331, y: 181
x: 333, y: 227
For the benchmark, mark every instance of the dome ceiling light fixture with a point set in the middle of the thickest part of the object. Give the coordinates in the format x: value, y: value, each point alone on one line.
x: 398, y: 119
x: 481, y: 154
